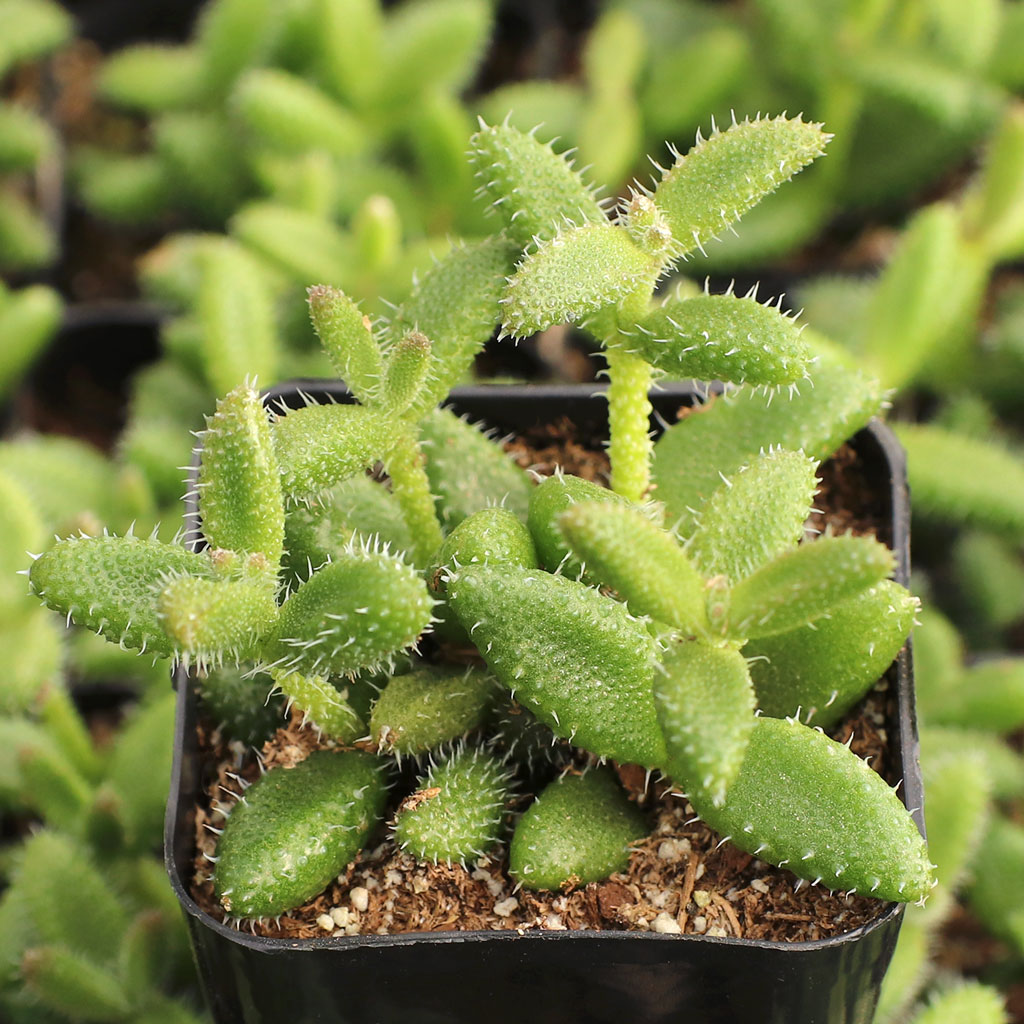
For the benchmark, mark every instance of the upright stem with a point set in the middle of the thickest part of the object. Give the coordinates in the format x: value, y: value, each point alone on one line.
x: 629, y: 411
x: 410, y: 485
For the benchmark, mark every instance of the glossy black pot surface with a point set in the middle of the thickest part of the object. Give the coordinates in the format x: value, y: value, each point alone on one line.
x: 549, y: 977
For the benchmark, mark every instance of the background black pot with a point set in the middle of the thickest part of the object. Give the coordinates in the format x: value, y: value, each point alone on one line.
x: 549, y: 977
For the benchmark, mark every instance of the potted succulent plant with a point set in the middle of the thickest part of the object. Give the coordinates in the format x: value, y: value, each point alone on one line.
x: 515, y: 642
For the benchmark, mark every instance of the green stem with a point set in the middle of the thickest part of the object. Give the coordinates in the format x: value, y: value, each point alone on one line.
x: 629, y: 411
x: 410, y: 485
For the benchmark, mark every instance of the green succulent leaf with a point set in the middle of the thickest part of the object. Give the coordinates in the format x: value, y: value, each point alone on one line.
x: 321, y: 445
x: 721, y: 337
x: 407, y: 370
x: 295, y: 830
x: 469, y: 471
x: 241, y: 705
x: 111, y: 585
x: 456, y: 304
x: 1003, y: 765
x: 723, y: 176
x: 456, y: 813
x: 754, y: 516
x: 988, y: 695
x: 572, y: 275
x: 347, y: 337
x: 70, y: 983
x: 969, y: 1000
x: 705, y: 705
x: 210, y: 621
x: 548, y: 502
x: 240, y: 497
x: 998, y: 869
x: 151, y: 77
x: 577, y: 831
x: 806, y: 802
x: 805, y: 583
x: 818, y: 671
x: 689, y: 457
x: 423, y: 709
x: 356, y: 612
x: 951, y: 477
x: 574, y: 657
x: 532, y: 188
x: 643, y: 563
x: 324, y: 706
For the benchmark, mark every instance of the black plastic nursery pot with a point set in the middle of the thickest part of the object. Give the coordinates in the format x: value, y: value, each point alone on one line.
x: 549, y: 977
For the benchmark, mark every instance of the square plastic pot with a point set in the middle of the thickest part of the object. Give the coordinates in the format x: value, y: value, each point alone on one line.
x: 598, y: 977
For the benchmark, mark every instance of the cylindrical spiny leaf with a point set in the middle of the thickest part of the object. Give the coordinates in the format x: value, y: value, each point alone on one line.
x: 953, y: 478
x: 801, y: 585
x: 348, y: 46
x: 705, y: 702
x: 240, y: 497
x: 456, y: 304
x: 806, y: 802
x: 215, y: 620
x: 231, y: 35
x: 406, y: 467
x: 823, y: 668
x: 456, y: 813
x: 754, y: 516
x: 574, y: 657
x: 533, y: 188
x: 1003, y: 765
x: 723, y: 176
x: 357, y: 507
x: 575, y: 273
x: 54, y: 872
x: 548, y: 501
x: 347, y: 337
x: 356, y: 612
x: 643, y: 563
x: 295, y: 830
x: 721, y: 337
x: 323, y: 705
x: 59, y: 792
x: 125, y: 188
x: 406, y: 374
x: 577, y: 831
x: 629, y: 411
x: 285, y: 112
x: 421, y: 710
x: 321, y: 445
x: 468, y: 471
x: 111, y: 585
x: 987, y: 695
x: 833, y: 405
x: 70, y: 983
x: 28, y: 319
x: 63, y: 721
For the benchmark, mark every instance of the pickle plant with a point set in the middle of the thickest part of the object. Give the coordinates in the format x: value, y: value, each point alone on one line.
x: 595, y: 631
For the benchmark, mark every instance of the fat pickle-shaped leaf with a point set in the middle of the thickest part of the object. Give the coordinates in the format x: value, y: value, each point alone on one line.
x: 643, y: 563
x: 705, y: 703
x: 577, y: 659
x: 239, y: 483
x: 323, y: 705
x: 533, y: 188
x: 468, y: 471
x: 347, y: 337
x: 964, y: 479
x: 321, y: 445
x: 456, y: 813
x: 456, y: 304
x: 574, y: 274
x: 804, y: 583
x: 754, y: 516
x: 215, y: 620
x: 547, y: 503
x: 806, y: 802
x: 420, y: 710
x: 826, y: 666
x: 354, y: 613
x: 833, y: 405
x: 723, y: 176
x: 721, y: 337
x: 296, y: 830
x: 111, y: 584
x: 577, y: 831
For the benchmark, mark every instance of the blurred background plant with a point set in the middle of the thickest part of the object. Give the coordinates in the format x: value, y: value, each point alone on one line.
x: 273, y: 145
